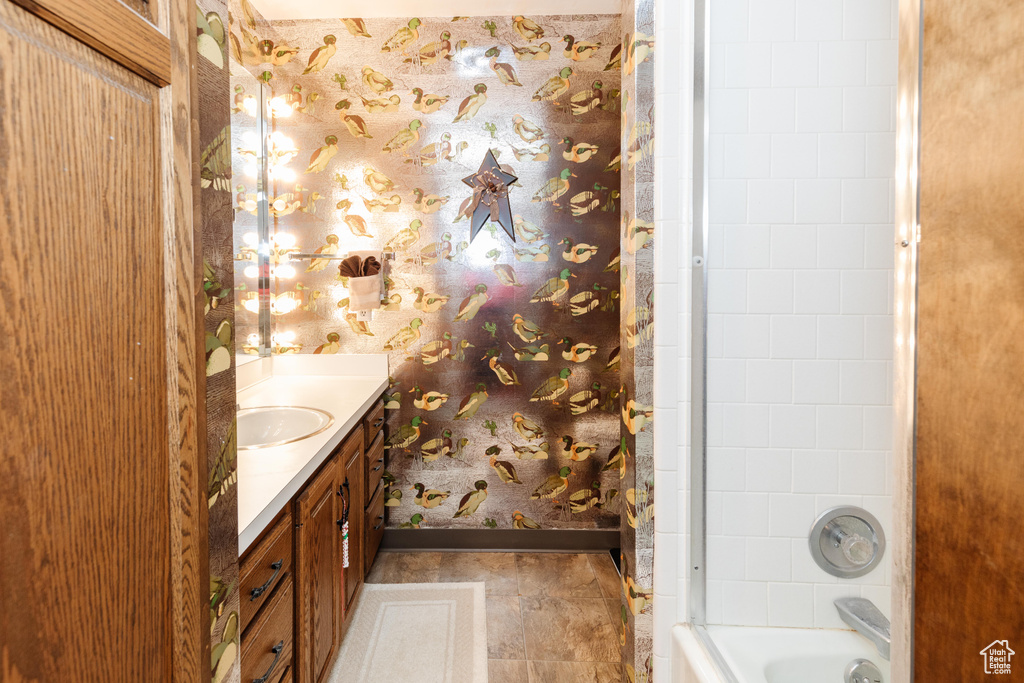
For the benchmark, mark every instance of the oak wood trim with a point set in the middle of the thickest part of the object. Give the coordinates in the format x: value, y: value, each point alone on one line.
x: 115, y: 30
x: 183, y: 272
x: 969, y: 552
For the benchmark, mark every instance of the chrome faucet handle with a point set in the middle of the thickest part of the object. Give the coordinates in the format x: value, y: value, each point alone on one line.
x: 867, y: 620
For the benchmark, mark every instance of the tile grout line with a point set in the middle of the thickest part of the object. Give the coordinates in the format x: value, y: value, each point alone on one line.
x: 605, y: 598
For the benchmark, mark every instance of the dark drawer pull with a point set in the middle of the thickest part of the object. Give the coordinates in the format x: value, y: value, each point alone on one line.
x: 378, y: 422
x: 380, y: 523
x: 380, y: 464
x: 277, y: 650
x: 260, y: 590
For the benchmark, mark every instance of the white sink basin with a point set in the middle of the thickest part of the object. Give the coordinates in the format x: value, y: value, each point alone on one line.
x: 267, y: 426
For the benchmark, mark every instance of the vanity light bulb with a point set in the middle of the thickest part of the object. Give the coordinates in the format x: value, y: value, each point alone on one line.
x: 251, y: 271
x: 284, y: 304
x: 281, y: 141
x: 282, y: 338
x: 250, y: 170
x: 250, y: 239
x: 282, y: 173
x: 280, y: 108
x: 284, y: 240
x: 252, y: 305
x: 249, y: 105
x: 284, y: 271
x: 253, y: 339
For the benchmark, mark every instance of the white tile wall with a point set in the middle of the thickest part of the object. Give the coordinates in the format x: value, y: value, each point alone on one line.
x: 800, y: 271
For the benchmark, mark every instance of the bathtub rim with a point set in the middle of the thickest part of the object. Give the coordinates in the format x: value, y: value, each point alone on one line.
x: 694, y: 644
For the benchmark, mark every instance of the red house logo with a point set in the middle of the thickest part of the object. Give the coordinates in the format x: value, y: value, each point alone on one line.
x: 997, y: 657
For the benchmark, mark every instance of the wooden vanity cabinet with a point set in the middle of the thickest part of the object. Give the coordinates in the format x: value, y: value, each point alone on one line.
x: 375, y: 463
x: 319, y: 604
x: 373, y: 500
x: 353, y: 483
x: 325, y: 587
x: 374, y: 527
x: 294, y: 581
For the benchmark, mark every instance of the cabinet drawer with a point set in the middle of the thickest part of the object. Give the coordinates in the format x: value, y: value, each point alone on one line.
x: 374, y: 527
x: 265, y: 567
x: 374, y: 422
x: 267, y: 647
x: 375, y: 462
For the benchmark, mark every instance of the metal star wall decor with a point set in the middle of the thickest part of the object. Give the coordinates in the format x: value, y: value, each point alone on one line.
x: 490, y: 197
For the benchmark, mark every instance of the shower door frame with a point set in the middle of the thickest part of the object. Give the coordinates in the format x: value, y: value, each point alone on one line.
x: 697, y: 566
x: 905, y: 327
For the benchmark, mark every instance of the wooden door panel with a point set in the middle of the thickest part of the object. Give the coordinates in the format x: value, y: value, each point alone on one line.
x: 84, y: 477
x: 318, y: 573
x: 323, y: 581
x: 355, y: 495
x: 970, y: 340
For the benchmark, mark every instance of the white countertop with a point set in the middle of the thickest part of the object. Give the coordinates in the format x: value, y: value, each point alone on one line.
x: 268, y: 478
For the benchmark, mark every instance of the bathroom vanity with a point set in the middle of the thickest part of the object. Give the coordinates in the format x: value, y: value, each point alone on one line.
x: 311, y: 513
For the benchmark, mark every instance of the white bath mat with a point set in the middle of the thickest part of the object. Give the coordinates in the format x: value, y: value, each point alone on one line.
x: 416, y: 633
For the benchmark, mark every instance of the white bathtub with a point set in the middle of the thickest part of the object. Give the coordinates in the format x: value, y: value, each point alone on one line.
x: 769, y: 655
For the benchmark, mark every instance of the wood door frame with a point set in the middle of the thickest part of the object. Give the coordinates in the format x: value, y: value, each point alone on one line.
x: 904, y: 396
x: 183, y: 277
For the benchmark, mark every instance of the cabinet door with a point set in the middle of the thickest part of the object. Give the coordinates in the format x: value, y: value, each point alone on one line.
x: 354, y: 508
x: 374, y: 526
x: 101, y: 491
x: 318, y: 572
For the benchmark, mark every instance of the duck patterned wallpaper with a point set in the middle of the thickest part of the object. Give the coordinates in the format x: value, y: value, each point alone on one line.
x: 216, y: 215
x: 469, y: 345
x: 504, y: 404
x: 637, y: 337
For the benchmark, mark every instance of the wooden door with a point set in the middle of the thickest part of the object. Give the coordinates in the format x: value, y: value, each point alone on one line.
x: 103, y: 537
x: 354, y: 497
x: 318, y: 572
x: 969, y: 564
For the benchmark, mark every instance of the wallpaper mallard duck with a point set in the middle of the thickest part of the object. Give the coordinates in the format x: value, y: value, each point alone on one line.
x: 504, y: 355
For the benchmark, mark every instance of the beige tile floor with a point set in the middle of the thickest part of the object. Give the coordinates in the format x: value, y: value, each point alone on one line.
x: 551, y: 617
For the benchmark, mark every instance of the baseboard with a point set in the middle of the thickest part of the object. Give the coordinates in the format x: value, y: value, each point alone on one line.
x: 536, y: 540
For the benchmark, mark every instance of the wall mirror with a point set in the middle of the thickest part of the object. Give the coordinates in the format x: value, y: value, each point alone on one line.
x: 252, y: 246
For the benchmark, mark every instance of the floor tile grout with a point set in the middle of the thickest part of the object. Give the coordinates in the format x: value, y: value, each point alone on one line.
x: 601, y: 597
x: 519, y: 600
